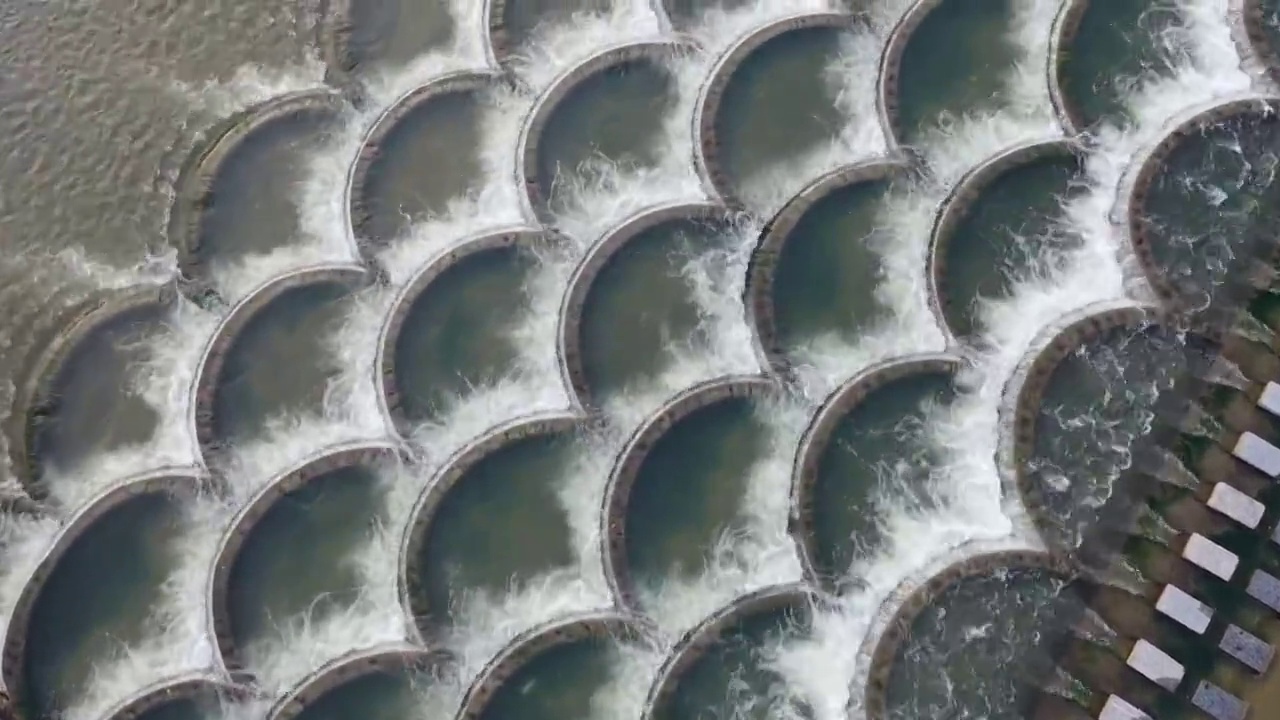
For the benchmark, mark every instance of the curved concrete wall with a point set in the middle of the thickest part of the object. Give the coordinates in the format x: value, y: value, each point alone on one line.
x: 1066, y: 24
x: 698, y: 641
x: 452, y: 471
x: 817, y: 436
x: 532, y: 643
x: 707, y: 158
x: 1139, y: 225
x: 494, y: 16
x: 193, y: 189
x: 465, y: 81
x: 875, y: 702
x: 350, y: 667
x: 1031, y: 379
x: 544, y: 107
x: 193, y: 686
x: 15, y: 644
x: 233, y: 540
x: 960, y: 202
x: 1250, y: 35
x: 36, y: 395
x: 214, y: 355
x: 403, y: 304
x: 763, y: 263
x: 887, y: 95
x: 584, y: 276
x: 626, y: 468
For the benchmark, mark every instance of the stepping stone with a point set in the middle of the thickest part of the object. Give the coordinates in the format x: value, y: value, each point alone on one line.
x: 1210, y: 556
x: 1265, y: 588
x: 1219, y: 703
x: 1269, y: 400
x: 1236, y: 505
x: 1247, y: 648
x: 1117, y: 708
x: 1259, y: 453
x: 1156, y: 665
x: 1185, y: 609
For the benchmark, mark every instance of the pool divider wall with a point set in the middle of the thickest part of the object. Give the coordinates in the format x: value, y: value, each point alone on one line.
x: 194, y: 187
x: 425, y: 619
x: 180, y: 481
x: 526, y: 238
x: 1248, y: 30
x: 716, y: 180
x: 1154, y: 162
x: 585, y: 274
x: 630, y: 460
x: 495, y: 24
x: 762, y: 266
x: 214, y: 355
x: 461, y: 82
x: 1030, y: 381
x: 1066, y: 25
x: 960, y: 201
x: 36, y: 394
x: 535, y: 123
x: 875, y: 701
x: 695, y: 643
x: 192, y: 686
x: 335, y: 39
x: 330, y: 459
x: 388, y: 658
x: 887, y: 91
x: 540, y: 639
x: 817, y: 437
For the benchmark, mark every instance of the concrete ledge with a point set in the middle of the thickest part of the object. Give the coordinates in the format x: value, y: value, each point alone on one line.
x: 180, y: 481
x: 707, y: 110
x: 1066, y: 25
x: 36, y: 395
x: 884, y: 657
x: 1250, y: 35
x: 817, y: 437
x: 424, y: 618
x: 385, y: 362
x: 698, y: 641
x: 887, y: 91
x: 585, y: 274
x: 214, y: 355
x: 193, y: 190
x: 960, y: 201
x: 352, y: 666
x: 462, y: 82
x: 328, y: 460
x: 494, y: 18
x: 757, y: 295
x: 626, y: 468
x: 561, y: 88
x: 1024, y: 391
x: 334, y: 38
x: 1140, y: 230
x: 192, y: 686
x: 532, y: 643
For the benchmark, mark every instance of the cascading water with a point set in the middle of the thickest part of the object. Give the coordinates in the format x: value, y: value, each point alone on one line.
x: 942, y: 498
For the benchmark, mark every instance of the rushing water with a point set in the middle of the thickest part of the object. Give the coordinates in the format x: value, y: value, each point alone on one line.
x: 104, y: 103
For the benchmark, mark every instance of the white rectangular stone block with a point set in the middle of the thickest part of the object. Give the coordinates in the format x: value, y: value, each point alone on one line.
x: 1182, y: 607
x: 1259, y: 453
x: 1270, y: 399
x: 1210, y: 556
x: 1236, y: 505
x: 1156, y: 665
x: 1117, y: 708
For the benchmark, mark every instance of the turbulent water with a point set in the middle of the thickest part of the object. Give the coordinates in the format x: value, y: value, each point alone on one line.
x: 102, y: 103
